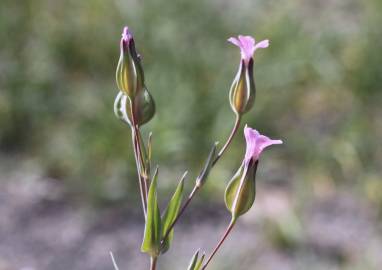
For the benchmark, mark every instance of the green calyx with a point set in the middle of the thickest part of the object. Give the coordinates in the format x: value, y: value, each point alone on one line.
x: 143, y: 107
x: 241, y: 190
x: 242, y: 93
x: 129, y: 74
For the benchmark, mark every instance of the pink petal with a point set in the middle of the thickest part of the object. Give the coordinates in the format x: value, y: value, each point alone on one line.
x: 262, y: 44
x: 256, y: 143
x: 248, y: 46
x: 234, y: 41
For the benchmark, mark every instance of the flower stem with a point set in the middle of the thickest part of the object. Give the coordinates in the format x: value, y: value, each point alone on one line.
x: 153, y: 263
x: 224, y: 237
x: 140, y: 180
x: 229, y: 140
x: 139, y: 160
x: 197, y: 187
x: 144, y: 169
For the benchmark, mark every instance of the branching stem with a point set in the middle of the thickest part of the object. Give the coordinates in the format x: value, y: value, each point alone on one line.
x: 224, y: 237
x: 196, y: 187
x: 193, y: 192
x: 229, y: 140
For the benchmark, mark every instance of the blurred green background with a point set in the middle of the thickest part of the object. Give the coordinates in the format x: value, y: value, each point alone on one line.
x: 319, y: 89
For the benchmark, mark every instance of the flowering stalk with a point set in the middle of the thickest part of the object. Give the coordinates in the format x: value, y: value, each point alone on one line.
x: 241, y: 191
x: 242, y: 95
x: 135, y: 106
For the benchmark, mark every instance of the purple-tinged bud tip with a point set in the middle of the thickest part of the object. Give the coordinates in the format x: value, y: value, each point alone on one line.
x: 126, y: 34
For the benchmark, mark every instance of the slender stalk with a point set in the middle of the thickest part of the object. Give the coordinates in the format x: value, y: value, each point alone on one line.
x: 138, y: 139
x: 224, y: 237
x: 229, y: 140
x: 140, y: 180
x: 144, y: 171
x: 193, y: 192
x: 153, y: 263
x: 139, y: 160
x: 196, y: 187
x: 146, y: 174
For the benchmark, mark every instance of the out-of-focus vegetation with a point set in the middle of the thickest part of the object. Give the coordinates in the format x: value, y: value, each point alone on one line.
x: 319, y: 88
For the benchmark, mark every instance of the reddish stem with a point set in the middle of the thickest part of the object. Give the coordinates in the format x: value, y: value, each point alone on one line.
x: 193, y: 192
x: 229, y: 140
x: 224, y: 237
x: 196, y: 187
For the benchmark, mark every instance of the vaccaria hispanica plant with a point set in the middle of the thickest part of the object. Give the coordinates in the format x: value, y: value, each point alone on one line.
x: 135, y: 106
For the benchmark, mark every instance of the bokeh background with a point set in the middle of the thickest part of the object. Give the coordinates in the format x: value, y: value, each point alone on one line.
x: 68, y: 191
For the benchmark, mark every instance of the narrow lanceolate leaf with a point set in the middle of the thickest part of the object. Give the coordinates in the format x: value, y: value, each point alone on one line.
x: 193, y: 261
x: 170, y: 214
x: 113, y: 260
x: 199, y: 263
x: 152, y: 234
x: 202, y: 178
x: 241, y: 190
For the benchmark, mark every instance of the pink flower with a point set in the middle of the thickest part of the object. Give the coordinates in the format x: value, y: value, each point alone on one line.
x: 248, y: 46
x: 256, y: 143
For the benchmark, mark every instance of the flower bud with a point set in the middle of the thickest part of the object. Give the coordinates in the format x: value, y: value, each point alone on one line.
x: 133, y: 99
x: 143, y: 107
x: 129, y: 74
x: 242, y: 93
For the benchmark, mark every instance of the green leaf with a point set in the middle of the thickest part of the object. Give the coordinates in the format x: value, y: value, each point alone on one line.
x: 241, y: 190
x: 152, y: 234
x: 193, y: 261
x: 202, y: 178
x: 198, y: 265
x: 171, y: 213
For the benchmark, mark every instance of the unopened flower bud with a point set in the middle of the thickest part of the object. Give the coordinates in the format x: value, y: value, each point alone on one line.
x: 242, y: 93
x: 143, y: 107
x: 134, y: 100
x: 129, y: 73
